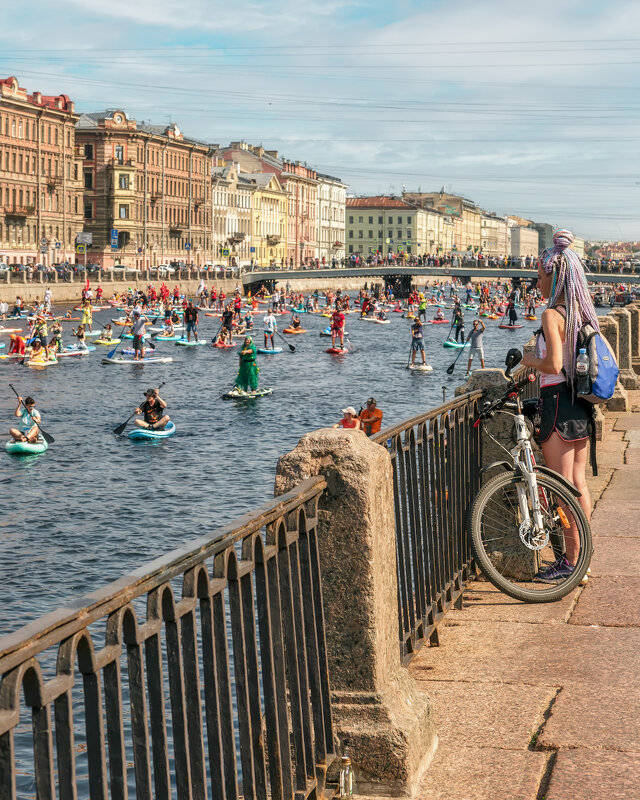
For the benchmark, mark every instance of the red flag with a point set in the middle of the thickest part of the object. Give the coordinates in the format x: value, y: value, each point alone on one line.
x: 87, y: 286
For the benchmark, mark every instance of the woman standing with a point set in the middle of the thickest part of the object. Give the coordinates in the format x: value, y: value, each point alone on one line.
x: 87, y: 315
x: 565, y: 418
x: 247, y: 379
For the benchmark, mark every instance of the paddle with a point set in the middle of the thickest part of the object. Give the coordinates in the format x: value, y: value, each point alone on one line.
x: 290, y: 346
x: 46, y: 436
x: 451, y: 367
x: 120, y: 428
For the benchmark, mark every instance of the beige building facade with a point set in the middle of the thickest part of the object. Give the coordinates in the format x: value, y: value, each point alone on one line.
x: 269, y: 219
x: 231, y: 199
x: 494, y: 237
x: 468, y: 227
x: 332, y: 198
x: 524, y: 241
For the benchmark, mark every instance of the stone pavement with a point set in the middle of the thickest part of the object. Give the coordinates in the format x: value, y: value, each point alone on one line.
x: 542, y: 702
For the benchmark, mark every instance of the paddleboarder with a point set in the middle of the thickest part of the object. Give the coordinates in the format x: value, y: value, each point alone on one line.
x: 153, y: 410
x: 247, y: 380
x: 29, y: 416
x: 191, y: 321
x: 458, y: 323
x: 417, y: 342
x: 270, y: 327
x: 337, y: 327
x: 475, y: 337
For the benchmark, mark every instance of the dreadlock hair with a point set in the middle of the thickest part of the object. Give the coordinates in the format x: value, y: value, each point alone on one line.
x: 569, y: 280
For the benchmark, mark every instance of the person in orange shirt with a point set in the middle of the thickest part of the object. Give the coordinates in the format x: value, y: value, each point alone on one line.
x: 371, y: 417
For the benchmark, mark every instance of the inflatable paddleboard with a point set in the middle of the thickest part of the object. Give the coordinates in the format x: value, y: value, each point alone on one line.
x: 222, y: 345
x: 294, y: 330
x: 73, y: 353
x: 420, y: 367
x: 269, y: 351
x: 529, y: 317
x: 106, y: 341
x: 240, y: 394
x: 449, y: 343
x: 438, y: 321
x: 185, y: 343
x: 148, y: 433
x: 510, y: 327
x: 26, y: 448
x: 153, y: 360
x: 72, y: 348
x: 336, y: 351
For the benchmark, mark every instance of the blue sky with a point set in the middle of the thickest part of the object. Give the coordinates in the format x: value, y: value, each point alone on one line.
x: 526, y: 108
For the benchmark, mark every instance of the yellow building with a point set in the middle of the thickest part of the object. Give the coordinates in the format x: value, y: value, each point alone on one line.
x: 268, y: 218
x: 468, y: 229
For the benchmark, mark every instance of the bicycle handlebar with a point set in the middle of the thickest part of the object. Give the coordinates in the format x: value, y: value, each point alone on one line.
x: 515, y: 388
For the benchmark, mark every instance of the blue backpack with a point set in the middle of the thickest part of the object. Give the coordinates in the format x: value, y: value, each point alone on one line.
x: 603, y: 369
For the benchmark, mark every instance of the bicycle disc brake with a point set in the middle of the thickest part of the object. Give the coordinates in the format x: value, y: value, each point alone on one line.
x: 534, y: 540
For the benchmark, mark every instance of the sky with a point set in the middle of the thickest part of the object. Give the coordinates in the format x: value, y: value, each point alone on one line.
x: 525, y: 108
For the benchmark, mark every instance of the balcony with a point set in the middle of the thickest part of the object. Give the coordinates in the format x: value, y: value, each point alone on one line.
x: 175, y: 233
x: 273, y: 240
x: 337, y: 245
x: 52, y: 182
x: 155, y: 197
x: 122, y: 163
x: 19, y: 212
x: 237, y: 237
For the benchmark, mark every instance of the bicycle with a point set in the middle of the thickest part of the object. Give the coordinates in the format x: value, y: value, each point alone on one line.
x: 522, y: 520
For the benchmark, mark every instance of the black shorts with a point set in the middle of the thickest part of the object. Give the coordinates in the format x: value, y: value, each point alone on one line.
x: 562, y: 413
x: 137, y: 343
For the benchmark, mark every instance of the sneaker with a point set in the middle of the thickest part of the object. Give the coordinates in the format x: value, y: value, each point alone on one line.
x: 585, y: 577
x: 560, y: 570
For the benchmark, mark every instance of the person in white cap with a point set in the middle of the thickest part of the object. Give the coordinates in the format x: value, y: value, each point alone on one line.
x: 350, y: 419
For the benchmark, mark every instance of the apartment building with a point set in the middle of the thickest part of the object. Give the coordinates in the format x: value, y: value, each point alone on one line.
x: 332, y: 196
x: 232, y: 199
x: 40, y: 181
x: 147, y: 192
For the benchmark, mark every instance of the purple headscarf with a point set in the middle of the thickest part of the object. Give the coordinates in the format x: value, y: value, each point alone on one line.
x: 571, y: 282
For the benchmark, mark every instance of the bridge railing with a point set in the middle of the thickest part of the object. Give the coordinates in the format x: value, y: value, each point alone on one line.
x: 436, y: 460
x: 202, y: 674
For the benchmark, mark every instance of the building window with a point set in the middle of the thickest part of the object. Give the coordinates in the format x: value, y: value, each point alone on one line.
x: 123, y: 212
x: 360, y: 234
x: 123, y: 181
x: 88, y: 151
x: 380, y: 221
x: 409, y: 233
x: 371, y: 233
x: 119, y: 154
x: 48, y: 134
x: 389, y: 234
x: 399, y: 220
x: 360, y: 220
x: 399, y: 234
x: 13, y: 128
x: 380, y: 233
x: 88, y: 211
x: 351, y: 248
x: 351, y: 234
x: 370, y: 220
x: 88, y: 180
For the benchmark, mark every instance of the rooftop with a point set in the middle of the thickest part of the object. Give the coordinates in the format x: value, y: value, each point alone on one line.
x: 379, y: 201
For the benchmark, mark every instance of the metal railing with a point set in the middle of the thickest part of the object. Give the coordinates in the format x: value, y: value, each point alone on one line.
x: 436, y: 460
x: 202, y: 674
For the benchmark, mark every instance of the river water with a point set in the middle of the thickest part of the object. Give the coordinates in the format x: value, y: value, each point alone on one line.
x: 95, y: 506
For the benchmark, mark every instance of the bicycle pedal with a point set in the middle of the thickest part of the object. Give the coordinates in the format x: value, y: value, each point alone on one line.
x: 563, y: 518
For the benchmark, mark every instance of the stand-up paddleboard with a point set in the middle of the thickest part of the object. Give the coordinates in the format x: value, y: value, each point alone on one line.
x: 167, y: 338
x: 438, y: 321
x: 73, y: 353
x: 529, y: 316
x: 151, y: 433
x: 240, y: 394
x: 510, y: 327
x: 139, y: 362
x: 185, y: 343
x: 294, y: 330
x: 223, y: 345
x: 269, y: 351
x: 27, y: 448
x: 336, y: 351
x: 420, y: 367
x: 449, y: 343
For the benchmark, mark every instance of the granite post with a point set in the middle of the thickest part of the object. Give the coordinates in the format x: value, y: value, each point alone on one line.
x: 377, y: 706
x: 634, y: 310
x: 609, y: 329
x: 628, y: 377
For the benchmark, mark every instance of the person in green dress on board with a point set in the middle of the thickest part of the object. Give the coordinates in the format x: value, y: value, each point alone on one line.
x: 247, y: 380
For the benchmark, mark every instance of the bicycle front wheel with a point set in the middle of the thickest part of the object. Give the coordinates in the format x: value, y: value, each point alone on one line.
x: 534, y: 566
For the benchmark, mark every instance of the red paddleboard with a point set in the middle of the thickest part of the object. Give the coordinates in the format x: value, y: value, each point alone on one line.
x: 510, y: 327
x: 438, y: 321
x: 336, y: 351
x: 221, y: 344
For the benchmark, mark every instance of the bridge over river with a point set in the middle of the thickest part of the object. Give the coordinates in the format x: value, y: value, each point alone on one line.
x: 408, y: 274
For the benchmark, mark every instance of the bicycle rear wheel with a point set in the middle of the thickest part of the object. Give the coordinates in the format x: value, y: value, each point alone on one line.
x: 509, y: 555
